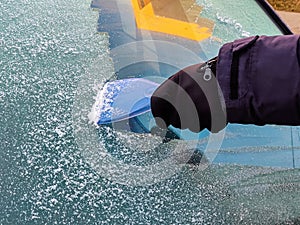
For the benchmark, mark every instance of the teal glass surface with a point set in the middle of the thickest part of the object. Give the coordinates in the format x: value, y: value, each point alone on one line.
x: 52, y: 63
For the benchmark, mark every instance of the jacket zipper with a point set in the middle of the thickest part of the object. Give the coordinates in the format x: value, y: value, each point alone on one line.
x: 208, y: 68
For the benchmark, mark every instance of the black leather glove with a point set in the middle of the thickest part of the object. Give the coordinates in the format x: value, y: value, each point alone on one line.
x: 190, y: 99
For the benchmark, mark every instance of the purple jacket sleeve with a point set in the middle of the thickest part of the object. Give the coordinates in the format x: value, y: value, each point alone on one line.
x: 257, y: 82
x: 260, y: 80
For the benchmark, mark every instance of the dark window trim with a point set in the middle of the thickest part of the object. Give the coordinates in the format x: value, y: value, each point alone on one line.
x: 274, y: 16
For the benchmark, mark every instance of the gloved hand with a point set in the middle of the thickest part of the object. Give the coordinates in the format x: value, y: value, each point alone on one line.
x: 259, y: 80
x: 190, y: 99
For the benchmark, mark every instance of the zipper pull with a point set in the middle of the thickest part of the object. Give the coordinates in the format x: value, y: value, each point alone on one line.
x: 207, y: 74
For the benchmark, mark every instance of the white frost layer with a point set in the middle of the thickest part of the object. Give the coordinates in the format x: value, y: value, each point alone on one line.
x: 104, y: 101
x: 94, y: 114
